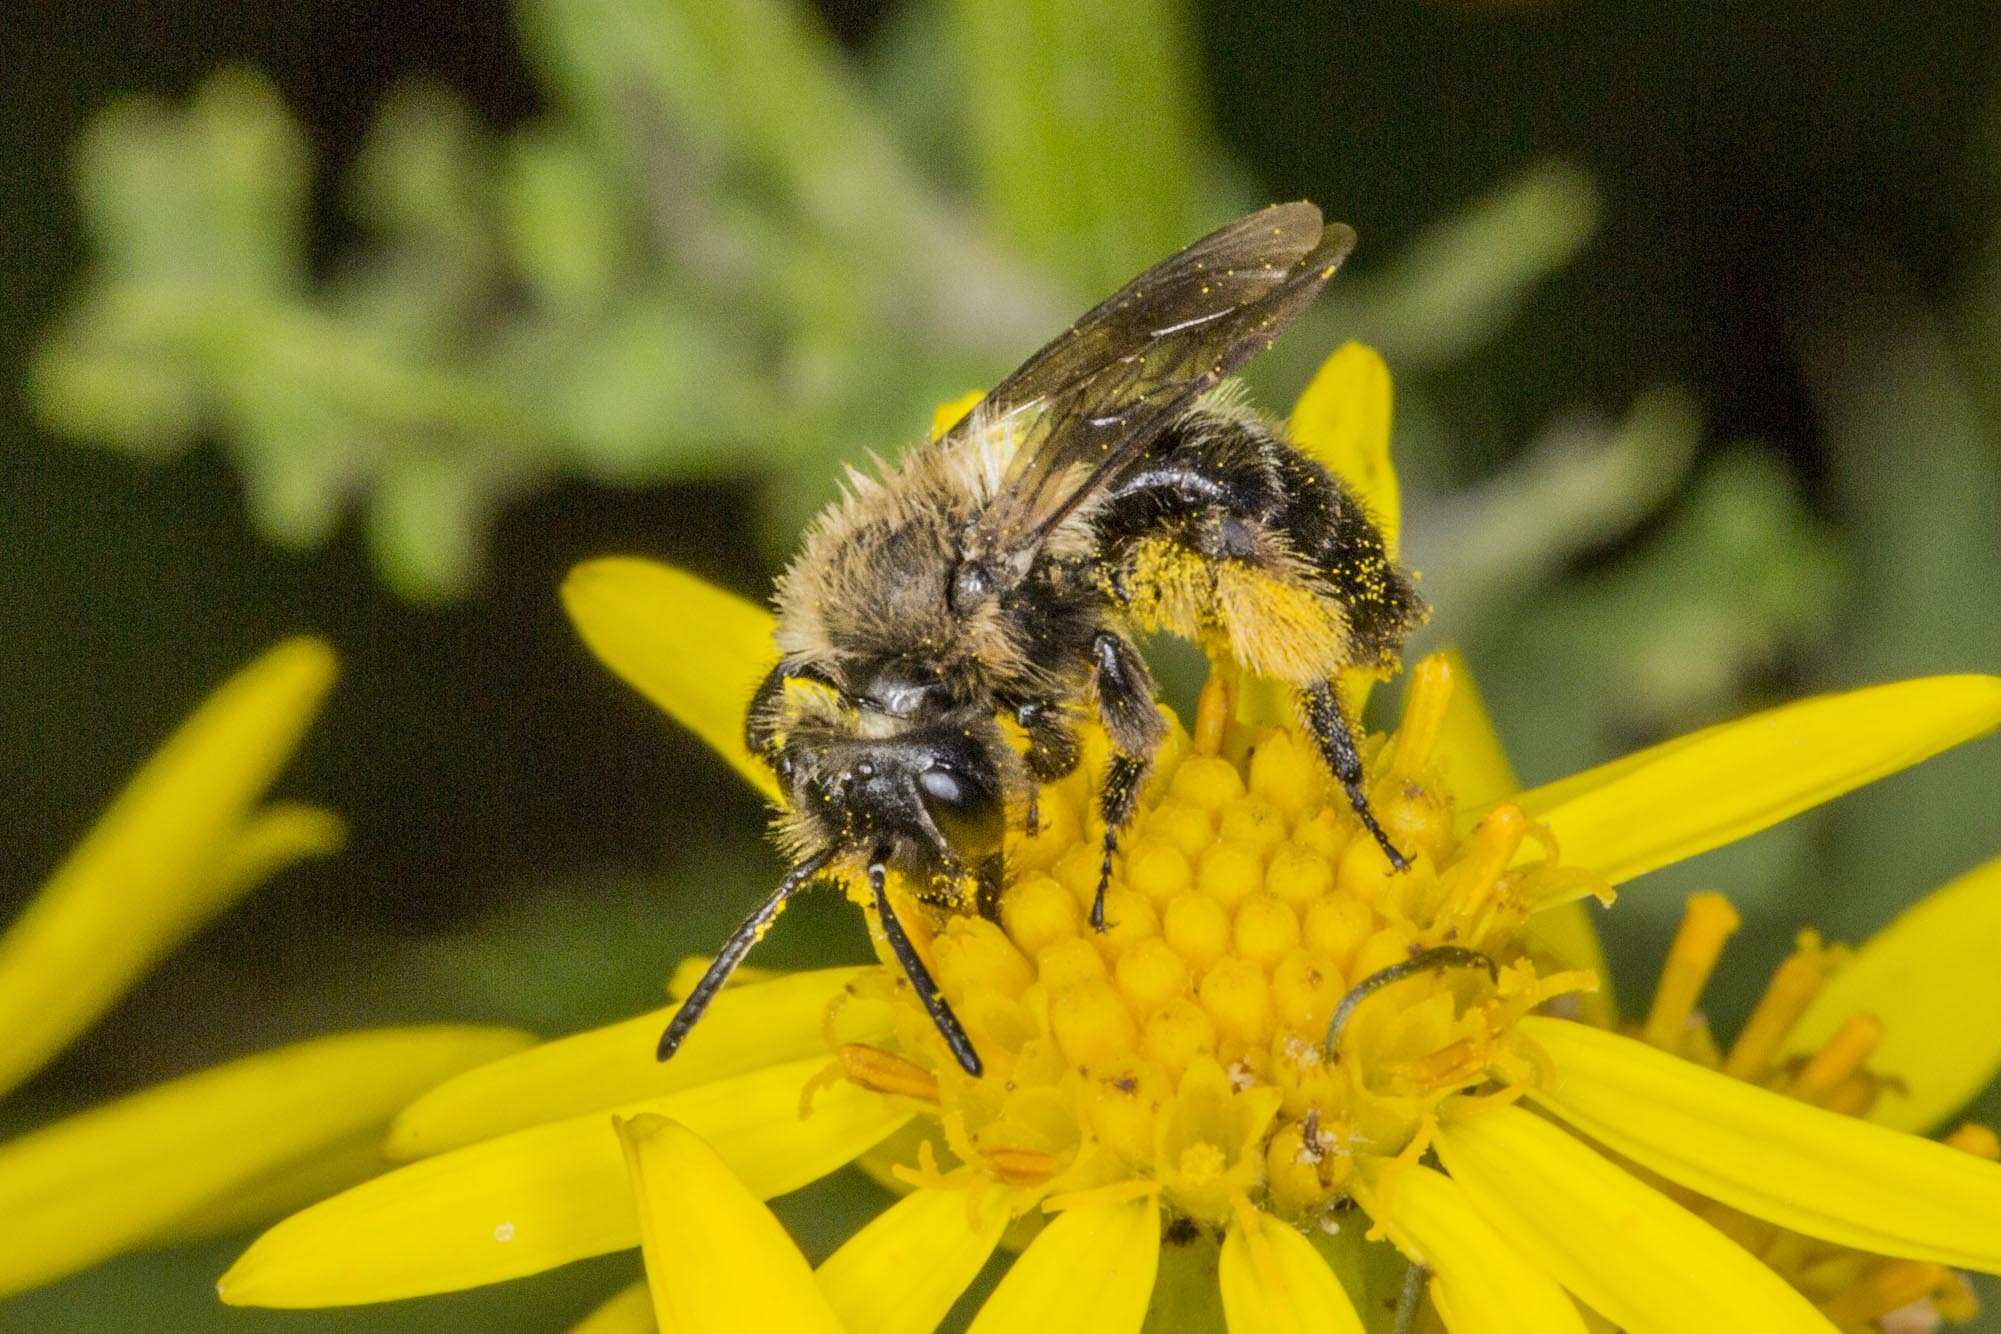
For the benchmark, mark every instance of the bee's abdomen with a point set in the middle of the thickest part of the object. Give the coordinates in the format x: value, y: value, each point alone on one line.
x: 1227, y: 534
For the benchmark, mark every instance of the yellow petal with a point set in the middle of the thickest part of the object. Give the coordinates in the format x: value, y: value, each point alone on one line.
x: 1933, y: 977
x: 1343, y: 420
x: 1091, y: 1271
x: 746, y: 1029
x: 628, y: 1311
x: 1278, y: 1284
x: 694, y: 650
x: 1479, y: 1282
x: 161, y: 861
x: 1624, y: 1249
x: 1725, y: 782
x: 88, y: 1187
x: 327, y: 1170
x: 1469, y: 750
x: 717, y: 1260
x: 1837, y: 1177
x: 901, y: 1273
x: 946, y: 415
x: 1477, y: 774
x: 537, y: 1198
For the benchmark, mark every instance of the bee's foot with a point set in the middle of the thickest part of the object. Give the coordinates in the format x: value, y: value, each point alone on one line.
x: 1398, y: 862
x: 1098, y: 910
x: 1031, y: 824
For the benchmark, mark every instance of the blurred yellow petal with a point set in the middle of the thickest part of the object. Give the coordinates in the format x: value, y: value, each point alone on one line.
x: 1343, y: 420
x: 1477, y: 774
x: 327, y: 1170
x: 1933, y: 976
x: 1468, y: 749
x: 717, y: 1260
x: 1624, y: 1249
x: 170, y: 853
x: 1479, y: 1282
x: 747, y: 1028
x: 628, y: 1311
x: 1090, y: 1271
x: 1711, y: 787
x: 901, y: 1273
x: 1280, y: 1285
x: 946, y: 415
x: 537, y: 1198
x: 1803, y: 1167
x: 88, y: 1187
x: 694, y: 650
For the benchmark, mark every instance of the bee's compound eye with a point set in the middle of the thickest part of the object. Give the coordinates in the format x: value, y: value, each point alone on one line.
x: 967, y: 812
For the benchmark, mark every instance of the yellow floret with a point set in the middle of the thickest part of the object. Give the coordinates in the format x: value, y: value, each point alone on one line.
x: 1190, y: 1047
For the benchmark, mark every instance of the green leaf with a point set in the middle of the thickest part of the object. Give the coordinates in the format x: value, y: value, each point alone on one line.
x: 1088, y: 136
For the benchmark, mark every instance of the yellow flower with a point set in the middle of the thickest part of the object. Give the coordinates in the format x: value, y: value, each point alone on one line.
x: 1281, y: 1066
x: 230, y: 1146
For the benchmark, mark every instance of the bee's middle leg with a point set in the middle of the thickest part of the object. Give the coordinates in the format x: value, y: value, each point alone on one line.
x: 1126, y: 703
x: 1320, y: 706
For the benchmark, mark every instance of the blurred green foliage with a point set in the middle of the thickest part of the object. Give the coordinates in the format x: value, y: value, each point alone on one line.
x: 714, y: 255
x: 727, y: 247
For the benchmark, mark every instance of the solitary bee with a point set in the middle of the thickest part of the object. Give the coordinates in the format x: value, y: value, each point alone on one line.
x: 1000, y: 571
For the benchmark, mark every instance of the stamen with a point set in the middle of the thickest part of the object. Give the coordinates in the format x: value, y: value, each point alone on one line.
x: 1488, y: 853
x: 1792, y: 988
x: 1707, y: 923
x: 1855, y: 1095
x: 1212, y: 712
x: 886, y: 1072
x: 1021, y: 1167
x: 1423, y: 719
x: 1976, y: 1139
x: 1844, y: 1054
x: 1897, y: 1283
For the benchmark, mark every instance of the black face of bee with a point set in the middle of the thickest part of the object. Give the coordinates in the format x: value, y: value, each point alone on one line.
x: 1001, y: 571
x: 927, y: 801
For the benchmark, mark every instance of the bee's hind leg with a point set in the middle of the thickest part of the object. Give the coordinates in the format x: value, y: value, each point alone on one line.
x: 1320, y: 706
x: 1126, y: 695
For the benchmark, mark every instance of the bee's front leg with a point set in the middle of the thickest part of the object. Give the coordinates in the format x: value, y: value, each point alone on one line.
x: 1126, y: 703
x: 1052, y: 748
x: 760, y: 736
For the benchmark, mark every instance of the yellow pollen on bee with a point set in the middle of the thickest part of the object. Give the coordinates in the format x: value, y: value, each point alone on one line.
x: 1182, y: 1049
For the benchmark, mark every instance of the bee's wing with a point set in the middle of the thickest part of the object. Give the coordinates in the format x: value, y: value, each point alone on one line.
x: 1091, y: 401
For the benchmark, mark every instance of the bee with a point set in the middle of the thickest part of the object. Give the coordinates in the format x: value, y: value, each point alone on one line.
x: 1112, y: 485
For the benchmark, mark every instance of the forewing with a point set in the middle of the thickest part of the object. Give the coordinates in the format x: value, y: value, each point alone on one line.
x: 1091, y: 401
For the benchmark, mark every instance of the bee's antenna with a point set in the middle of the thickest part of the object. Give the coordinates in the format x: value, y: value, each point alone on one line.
x: 941, y: 1014
x: 733, y: 950
x: 1440, y: 956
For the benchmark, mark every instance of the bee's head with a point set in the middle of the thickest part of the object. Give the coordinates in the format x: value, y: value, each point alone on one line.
x: 894, y: 769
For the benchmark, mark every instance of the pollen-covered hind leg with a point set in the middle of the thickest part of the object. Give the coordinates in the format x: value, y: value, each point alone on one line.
x: 1321, y: 708
x: 1132, y: 721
